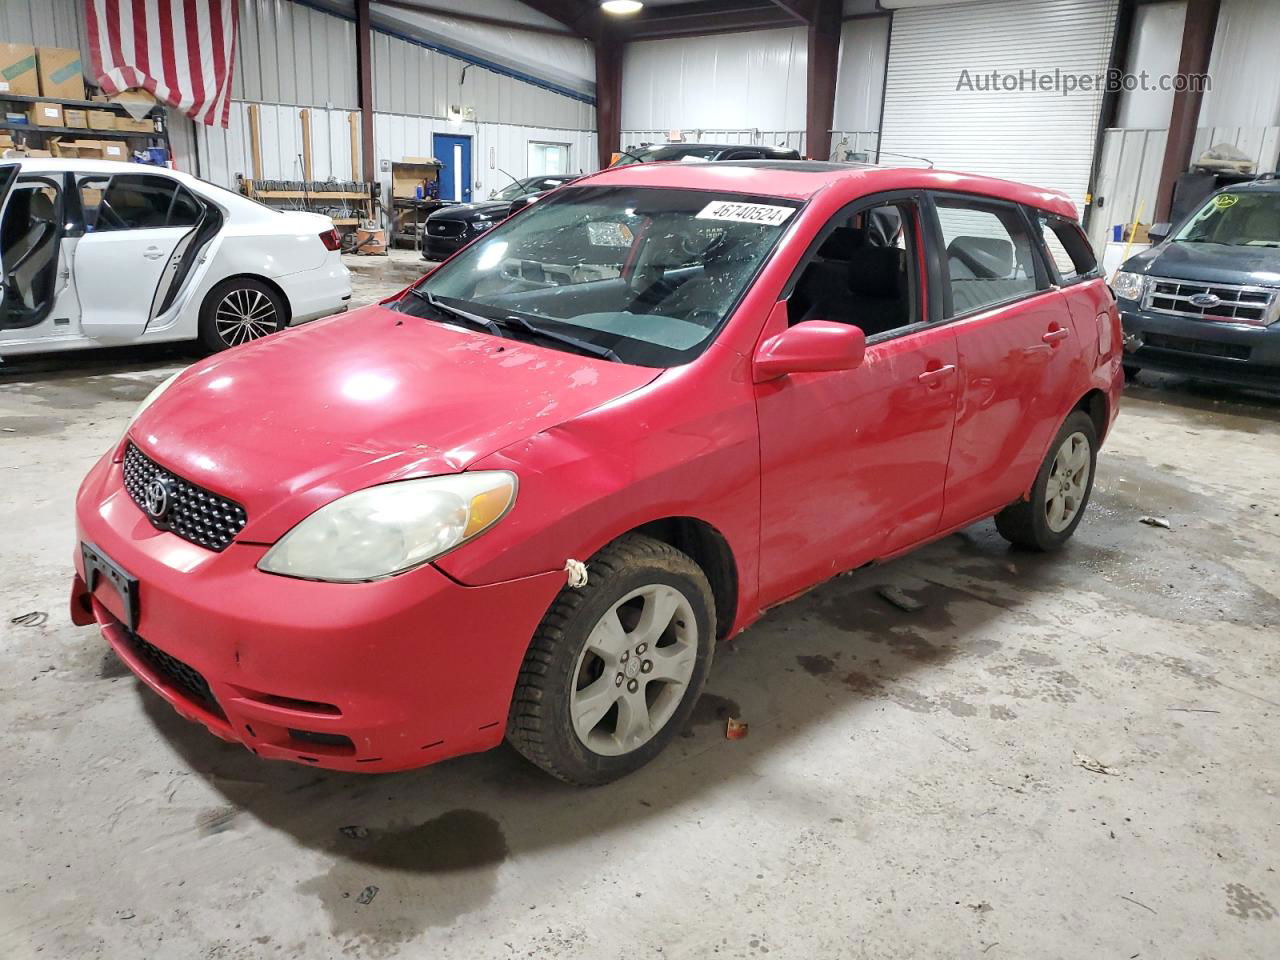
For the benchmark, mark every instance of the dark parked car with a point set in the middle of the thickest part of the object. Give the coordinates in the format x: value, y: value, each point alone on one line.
x: 660, y: 152
x: 1205, y: 299
x: 453, y: 227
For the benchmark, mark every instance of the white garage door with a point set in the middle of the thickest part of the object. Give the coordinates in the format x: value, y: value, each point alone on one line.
x: 1041, y: 136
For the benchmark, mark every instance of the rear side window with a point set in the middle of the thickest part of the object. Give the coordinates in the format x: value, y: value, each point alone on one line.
x: 1068, y: 248
x: 988, y: 253
x: 133, y: 201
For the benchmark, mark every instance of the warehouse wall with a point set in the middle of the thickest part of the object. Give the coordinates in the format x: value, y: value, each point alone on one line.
x: 1244, y: 66
x: 290, y: 53
x: 752, y: 80
x: 864, y: 49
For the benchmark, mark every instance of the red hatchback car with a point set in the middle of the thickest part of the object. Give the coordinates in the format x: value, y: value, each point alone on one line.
x: 360, y: 544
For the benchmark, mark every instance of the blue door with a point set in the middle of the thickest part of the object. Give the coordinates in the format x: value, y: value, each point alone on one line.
x: 454, y: 153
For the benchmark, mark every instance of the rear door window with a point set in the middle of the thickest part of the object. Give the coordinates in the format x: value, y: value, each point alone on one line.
x: 988, y: 253
x: 1069, y: 251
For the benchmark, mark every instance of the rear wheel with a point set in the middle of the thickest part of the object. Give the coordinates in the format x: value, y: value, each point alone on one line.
x: 239, y: 310
x: 615, y: 667
x: 1060, y: 492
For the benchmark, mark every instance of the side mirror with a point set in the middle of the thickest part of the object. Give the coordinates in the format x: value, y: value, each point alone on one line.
x: 815, y: 346
x: 1158, y: 232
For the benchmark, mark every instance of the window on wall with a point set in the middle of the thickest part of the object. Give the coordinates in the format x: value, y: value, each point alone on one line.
x: 546, y: 158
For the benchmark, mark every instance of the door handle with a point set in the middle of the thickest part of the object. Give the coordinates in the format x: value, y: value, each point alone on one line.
x: 153, y: 253
x: 1053, y: 336
x: 932, y: 377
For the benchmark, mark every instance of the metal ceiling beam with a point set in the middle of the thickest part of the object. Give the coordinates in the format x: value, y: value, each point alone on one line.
x: 475, y: 18
x: 580, y: 16
x: 802, y: 10
x: 696, y: 19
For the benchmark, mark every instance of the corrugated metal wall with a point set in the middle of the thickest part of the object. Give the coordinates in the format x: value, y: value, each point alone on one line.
x: 289, y: 53
x: 742, y: 81
x: 51, y: 23
x: 415, y: 80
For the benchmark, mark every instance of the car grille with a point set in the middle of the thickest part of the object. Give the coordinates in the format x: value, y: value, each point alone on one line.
x: 446, y: 228
x: 192, y: 512
x: 1218, y: 301
x: 1205, y: 348
x: 187, y: 679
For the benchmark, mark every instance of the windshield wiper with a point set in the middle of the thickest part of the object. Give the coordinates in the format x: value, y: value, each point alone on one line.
x: 584, y: 346
x: 475, y: 320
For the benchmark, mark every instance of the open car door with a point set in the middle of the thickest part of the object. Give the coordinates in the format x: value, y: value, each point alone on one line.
x: 8, y: 174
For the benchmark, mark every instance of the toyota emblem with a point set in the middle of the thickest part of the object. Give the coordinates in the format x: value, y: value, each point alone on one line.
x: 155, y: 498
x: 1205, y: 300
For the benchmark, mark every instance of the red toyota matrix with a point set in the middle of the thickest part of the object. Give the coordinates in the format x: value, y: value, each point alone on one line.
x: 527, y: 496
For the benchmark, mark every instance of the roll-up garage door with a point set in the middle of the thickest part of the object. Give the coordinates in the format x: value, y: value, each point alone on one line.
x: 948, y: 96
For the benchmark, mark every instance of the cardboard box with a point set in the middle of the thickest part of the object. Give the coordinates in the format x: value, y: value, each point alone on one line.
x: 6, y: 141
x: 18, y: 70
x: 38, y: 153
x: 130, y: 125
x: 46, y: 114
x: 71, y: 117
x: 88, y: 149
x: 59, y: 148
x: 102, y: 120
x: 60, y: 73
x: 114, y: 150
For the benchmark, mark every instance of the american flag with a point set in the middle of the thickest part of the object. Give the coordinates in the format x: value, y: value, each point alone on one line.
x: 183, y: 51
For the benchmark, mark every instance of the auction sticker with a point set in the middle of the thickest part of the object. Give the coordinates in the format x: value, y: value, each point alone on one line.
x: 1224, y: 200
x: 766, y: 214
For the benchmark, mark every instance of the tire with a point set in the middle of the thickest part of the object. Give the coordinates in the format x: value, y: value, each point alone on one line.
x: 1130, y: 371
x: 553, y: 699
x: 265, y: 309
x: 1046, y: 522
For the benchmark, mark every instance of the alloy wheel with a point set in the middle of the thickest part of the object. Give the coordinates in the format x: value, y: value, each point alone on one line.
x: 1067, y: 483
x: 634, y: 670
x: 243, y: 315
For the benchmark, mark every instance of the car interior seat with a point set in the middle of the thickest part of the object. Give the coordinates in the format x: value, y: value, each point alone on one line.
x: 1261, y: 225
x: 30, y: 239
x: 856, y: 277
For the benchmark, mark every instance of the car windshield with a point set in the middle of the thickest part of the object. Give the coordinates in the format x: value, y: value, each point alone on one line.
x: 664, y: 152
x: 1239, y: 219
x: 519, y: 188
x: 644, y: 275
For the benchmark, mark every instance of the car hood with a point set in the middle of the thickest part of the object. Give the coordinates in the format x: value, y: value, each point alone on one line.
x: 1209, y: 263
x: 293, y: 421
x: 469, y: 211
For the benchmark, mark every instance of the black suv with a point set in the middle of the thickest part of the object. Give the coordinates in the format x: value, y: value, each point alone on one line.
x: 1205, y: 299
x: 453, y: 227
x: 662, y: 152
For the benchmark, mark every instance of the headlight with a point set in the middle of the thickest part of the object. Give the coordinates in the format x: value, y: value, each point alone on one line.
x: 151, y: 398
x: 1128, y: 286
x: 482, y: 224
x: 391, y: 528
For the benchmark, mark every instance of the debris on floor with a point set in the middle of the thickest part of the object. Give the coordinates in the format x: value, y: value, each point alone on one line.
x: 367, y: 894
x: 1089, y: 763
x: 354, y: 832
x: 36, y: 618
x: 735, y: 729
x: 1160, y: 522
x: 899, y: 599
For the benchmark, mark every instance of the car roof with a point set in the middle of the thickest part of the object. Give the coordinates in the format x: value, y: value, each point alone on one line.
x: 74, y: 165
x: 802, y: 179
x: 1266, y: 185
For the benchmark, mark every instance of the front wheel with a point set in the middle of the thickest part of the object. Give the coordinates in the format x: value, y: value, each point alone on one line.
x: 1060, y: 492
x: 615, y: 667
x: 239, y: 310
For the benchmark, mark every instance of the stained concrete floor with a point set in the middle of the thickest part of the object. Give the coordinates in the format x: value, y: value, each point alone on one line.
x: 907, y: 788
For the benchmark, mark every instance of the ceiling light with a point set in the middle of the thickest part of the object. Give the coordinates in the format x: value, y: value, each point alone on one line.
x: 621, y: 7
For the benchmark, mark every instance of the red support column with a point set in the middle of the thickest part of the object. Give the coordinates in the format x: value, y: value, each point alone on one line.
x: 364, y: 72
x: 1197, y: 44
x: 608, y: 95
x: 824, y: 56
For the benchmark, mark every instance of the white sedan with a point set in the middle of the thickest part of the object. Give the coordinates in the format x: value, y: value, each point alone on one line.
x: 100, y: 253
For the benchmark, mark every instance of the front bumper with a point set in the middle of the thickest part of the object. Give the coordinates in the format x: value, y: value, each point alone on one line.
x: 442, y: 248
x: 1234, y: 353
x: 367, y: 677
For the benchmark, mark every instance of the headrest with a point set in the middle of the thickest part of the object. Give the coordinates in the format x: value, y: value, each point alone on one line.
x: 989, y: 258
x: 877, y: 272
x: 842, y: 243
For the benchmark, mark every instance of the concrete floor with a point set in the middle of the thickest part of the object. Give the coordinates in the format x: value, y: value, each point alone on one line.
x: 907, y: 788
